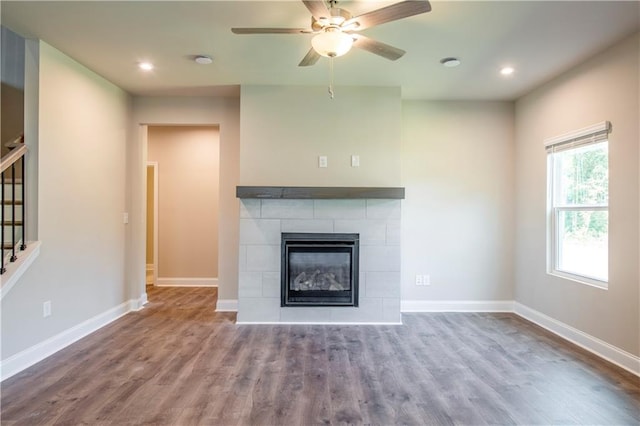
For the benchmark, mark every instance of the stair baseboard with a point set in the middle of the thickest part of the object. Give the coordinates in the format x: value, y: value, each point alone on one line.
x: 14, y: 270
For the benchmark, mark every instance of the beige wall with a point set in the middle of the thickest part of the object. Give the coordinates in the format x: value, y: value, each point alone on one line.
x: 150, y: 214
x: 603, y: 88
x: 457, y: 219
x: 188, y: 171
x: 285, y: 128
x: 82, y: 147
x: 197, y: 111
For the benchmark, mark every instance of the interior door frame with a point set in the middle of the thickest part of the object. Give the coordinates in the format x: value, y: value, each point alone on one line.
x: 154, y: 165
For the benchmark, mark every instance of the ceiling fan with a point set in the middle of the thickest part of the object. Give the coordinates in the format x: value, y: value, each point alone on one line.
x: 336, y: 29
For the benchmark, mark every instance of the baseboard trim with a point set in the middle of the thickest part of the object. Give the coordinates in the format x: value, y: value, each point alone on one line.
x: 407, y: 306
x: 187, y: 282
x: 227, y: 305
x: 594, y: 345
x: 139, y: 304
x: 30, y: 356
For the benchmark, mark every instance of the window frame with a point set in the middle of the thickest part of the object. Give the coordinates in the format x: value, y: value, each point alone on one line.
x: 592, y: 135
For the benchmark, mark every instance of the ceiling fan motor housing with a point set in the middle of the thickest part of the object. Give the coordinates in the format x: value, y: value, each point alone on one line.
x: 337, y: 18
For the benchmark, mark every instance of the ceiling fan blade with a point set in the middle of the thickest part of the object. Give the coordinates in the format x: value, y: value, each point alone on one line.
x: 396, y: 11
x: 269, y: 30
x: 318, y: 8
x: 377, y: 47
x: 310, y: 58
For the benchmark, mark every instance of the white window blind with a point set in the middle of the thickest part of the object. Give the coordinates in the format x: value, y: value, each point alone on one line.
x: 588, y: 135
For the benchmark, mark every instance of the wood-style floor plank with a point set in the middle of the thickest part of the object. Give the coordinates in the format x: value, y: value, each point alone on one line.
x: 178, y: 362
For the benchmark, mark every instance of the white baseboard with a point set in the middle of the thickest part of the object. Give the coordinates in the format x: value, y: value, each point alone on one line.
x: 28, y: 357
x: 227, y: 305
x: 594, y: 345
x: 187, y: 282
x: 456, y: 306
x: 139, y: 304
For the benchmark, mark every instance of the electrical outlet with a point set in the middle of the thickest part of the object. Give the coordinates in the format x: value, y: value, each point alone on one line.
x: 46, y: 309
x: 322, y: 161
x: 355, y: 161
x: 423, y: 279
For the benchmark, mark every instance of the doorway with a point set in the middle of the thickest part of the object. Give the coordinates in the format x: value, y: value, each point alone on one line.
x: 182, y: 206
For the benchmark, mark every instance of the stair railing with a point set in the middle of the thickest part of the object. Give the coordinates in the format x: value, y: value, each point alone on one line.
x: 8, y: 166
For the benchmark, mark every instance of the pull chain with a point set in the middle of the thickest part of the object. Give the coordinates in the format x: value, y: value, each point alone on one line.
x: 331, y: 77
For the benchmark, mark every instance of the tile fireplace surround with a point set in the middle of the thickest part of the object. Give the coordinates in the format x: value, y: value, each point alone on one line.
x: 267, y: 212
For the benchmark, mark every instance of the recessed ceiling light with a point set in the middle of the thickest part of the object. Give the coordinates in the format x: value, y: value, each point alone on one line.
x: 146, y: 66
x: 203, y: 59
x: 507, y: 70
x: 450, y: 62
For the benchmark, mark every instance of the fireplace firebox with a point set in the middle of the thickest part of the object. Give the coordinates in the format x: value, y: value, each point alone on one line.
x: 319, y: 269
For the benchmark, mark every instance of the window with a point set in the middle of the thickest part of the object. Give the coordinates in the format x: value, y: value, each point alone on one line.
x: 578, y: 205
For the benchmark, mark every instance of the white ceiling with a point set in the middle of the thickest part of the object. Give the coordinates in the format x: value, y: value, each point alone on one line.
x: 539, y: 38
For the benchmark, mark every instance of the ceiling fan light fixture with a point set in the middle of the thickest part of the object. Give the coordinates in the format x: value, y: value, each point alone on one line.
x: 332, y: 43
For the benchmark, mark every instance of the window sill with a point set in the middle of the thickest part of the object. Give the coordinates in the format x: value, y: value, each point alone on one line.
x: 602, y: 285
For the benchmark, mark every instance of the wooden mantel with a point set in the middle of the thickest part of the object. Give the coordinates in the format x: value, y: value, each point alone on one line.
x: 316, y: 192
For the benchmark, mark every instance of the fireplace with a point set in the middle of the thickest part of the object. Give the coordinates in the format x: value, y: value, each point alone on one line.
x: 319, y: 269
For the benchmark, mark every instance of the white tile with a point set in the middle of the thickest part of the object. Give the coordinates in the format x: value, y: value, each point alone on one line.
x: 307, y: 225
x: 383, y: 284
x: 263, y: 258
x: 340, y: 209
x: 362, y: 283
x: 306, y: 314
x: 369, y: 310
x: 242, y: 258
x: 250, y: 284
x: 249, y: 207
x: 259, y: 231
x: 270, y: 284
x: 391, y: 309
x: 380, y: 258
x: 371, y: 231
x: 287, y: 209
x: 251, y: 309
x: 383, y: 209
x: 394, y: 232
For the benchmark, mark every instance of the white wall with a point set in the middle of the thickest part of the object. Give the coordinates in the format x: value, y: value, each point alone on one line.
x: 457, y: 218
x: 603, y: 88
x: 222, y: 112
x: 286, y: 128
x: 81, y: 182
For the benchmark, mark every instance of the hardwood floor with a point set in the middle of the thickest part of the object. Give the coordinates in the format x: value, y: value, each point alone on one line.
x: 178, y: 362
